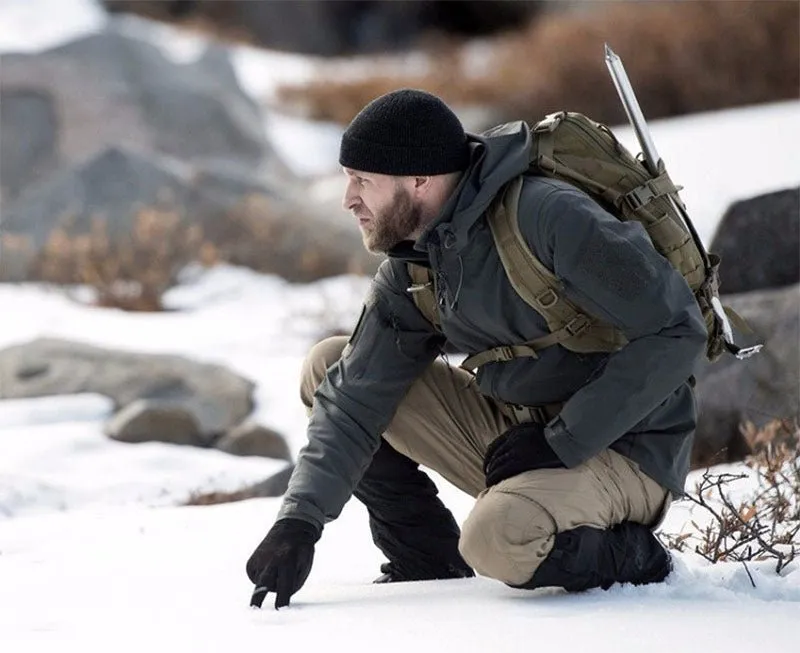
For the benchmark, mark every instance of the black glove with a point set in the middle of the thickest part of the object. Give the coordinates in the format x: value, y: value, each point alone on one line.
x: 521, y: 448
x: 282, y: 562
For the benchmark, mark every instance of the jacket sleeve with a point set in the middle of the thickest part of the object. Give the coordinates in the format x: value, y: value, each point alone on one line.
x: 391, y: 346
x: 611, y: 269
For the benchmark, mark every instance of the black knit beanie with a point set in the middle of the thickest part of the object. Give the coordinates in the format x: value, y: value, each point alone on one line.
x: 405, y: 132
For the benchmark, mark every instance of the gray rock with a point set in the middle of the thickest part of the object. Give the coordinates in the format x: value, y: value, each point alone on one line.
x: 758, y: 389
x: 275, y: 486
x: 148, y: 421
x: 758, y: 240
x: 29, y: 126
x: 112, y: 88
x: 117, y: 183
x: 249, y: 222
x: 252, y: 439
x: 215, y: 397
x: 111, y: 186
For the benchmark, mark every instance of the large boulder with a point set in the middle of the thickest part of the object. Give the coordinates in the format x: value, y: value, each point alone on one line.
x: 758, y: 240
x: 151, y: 421
x: 112, y: 186
x: 245, y: 220
x: 112, y: 88
x: 758, y: 389
x: 214, y: 397
x: 253, y: 439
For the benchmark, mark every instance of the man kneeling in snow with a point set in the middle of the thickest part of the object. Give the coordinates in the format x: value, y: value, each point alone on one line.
x: 573, y: 458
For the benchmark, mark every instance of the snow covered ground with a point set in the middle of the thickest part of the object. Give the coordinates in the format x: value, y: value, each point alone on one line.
x: 171, y: 579
x: 97, y: 554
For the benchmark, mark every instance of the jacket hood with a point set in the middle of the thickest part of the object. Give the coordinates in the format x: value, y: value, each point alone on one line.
x: 497, y: 156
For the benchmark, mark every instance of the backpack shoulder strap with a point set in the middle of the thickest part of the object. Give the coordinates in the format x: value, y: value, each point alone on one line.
x: 423, y: 292
x: 541, y: 289
x: 530, y: 278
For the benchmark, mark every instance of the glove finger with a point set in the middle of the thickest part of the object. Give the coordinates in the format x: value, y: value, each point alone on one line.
x: 285, y: 585
x: 493, y: 479
x: 498, y: 461
x: 264, y: 585
x: 296, y: 575
x: 498, y: 447
x: 507, y: 448
x: 258, y: 596
x: 499, y: 476
x: 503, y: 469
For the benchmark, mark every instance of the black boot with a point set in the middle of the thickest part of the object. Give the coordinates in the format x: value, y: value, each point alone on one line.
x: 409, y: 524
x: 586, y: 557
x: 390, y: 574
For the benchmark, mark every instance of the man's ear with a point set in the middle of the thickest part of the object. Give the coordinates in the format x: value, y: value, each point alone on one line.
x: 422, y: 184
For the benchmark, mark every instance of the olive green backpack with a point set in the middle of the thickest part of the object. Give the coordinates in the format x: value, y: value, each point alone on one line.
x: 571, y: 147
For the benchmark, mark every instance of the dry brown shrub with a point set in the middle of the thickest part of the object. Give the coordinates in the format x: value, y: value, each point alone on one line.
x: 776, y: 437
x: 682, y: 57
x: 131, y: 273
x: 201, y: 498
x: 765, y: 524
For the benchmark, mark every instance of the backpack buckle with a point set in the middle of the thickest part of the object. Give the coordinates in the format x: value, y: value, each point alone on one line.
x: 504, y: 354
x: 639, y: 196
x: 549, y: 122
x: 547, y: 299
x: 578, y: 324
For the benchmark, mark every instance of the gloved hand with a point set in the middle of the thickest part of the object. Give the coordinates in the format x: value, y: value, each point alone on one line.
x: 521, y: 448
x: 282, y: 562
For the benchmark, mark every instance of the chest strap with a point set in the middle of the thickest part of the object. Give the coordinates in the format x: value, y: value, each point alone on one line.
x: 531, y: 347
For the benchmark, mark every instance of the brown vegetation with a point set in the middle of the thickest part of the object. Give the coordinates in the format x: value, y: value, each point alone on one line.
x: 131, y: 274
x: 682, y: 57
x: 201, y: 498
x: 133, y: 271
x: 766, y: 524
x: 274, y: 486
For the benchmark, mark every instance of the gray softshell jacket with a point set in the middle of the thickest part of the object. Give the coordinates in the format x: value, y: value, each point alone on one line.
x: 638, y: 401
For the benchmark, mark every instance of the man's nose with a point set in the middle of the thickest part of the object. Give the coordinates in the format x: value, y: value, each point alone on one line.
x: 350, y: 198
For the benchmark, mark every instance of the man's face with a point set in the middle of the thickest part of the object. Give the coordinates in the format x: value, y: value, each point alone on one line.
x: 384, y: 207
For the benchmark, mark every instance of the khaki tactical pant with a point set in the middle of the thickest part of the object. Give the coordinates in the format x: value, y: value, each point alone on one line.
x: 446, y: 424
